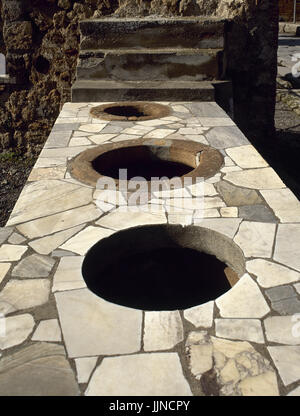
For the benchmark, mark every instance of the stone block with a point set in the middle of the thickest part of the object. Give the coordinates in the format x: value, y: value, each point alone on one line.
x: 148, y: 33
x: 196, y: 65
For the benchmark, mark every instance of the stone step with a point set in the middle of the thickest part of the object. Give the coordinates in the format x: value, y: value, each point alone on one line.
x: 103, y: 90
x: 151, y: 65
x: 110, y: 33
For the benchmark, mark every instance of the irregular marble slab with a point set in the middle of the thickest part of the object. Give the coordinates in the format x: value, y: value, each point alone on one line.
x: 14, y: 330
x: 284, y: 203
x: 246, y: 157
x: 287, y: 362
x: 92, y: 326
x: 200, y: 316
x: 152, y: 374
x: 287, y: 245
x: 61, y: 221
x: 265, y: 178
x: 271, y: 274
x: 47, y: 330
x: 84, y: 240
x: 256, y: 238
x: 10, y: 252
x: 34, y: 266
x: 24, y: 294
x: 47, y: 197
x: 283, y: 330
x: 162, y: 330
x: 4, y: 267
x: 68, y: 274
x: 244, y: 300
x: 85, y: 367
x: 46, y: 245
x: 242, y: 329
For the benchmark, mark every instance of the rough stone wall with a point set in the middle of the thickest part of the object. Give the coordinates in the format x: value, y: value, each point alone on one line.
x: 41, y: 41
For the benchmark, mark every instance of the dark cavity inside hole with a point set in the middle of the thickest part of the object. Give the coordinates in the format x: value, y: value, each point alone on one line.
x: 160, y: 279
x: 139, y: 161
x: 125, y: 111
x: 42, y: 65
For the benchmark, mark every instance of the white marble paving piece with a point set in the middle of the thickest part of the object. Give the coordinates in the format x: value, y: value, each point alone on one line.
x: 261, y: 178
x: 172, y: 193
x: 4, y: 267
x: 287, y: 245
x: 138, y: 130
x: 271, y: 274
x: 80, y: 141
x: 38, y: 174
x: 10, y: 252
x: 187, y: 203
x: 47, y: 330
x: 199, y: 215
x: 282, y: 330
x: 287, y: 361
x: 46, y: 245
x: 260, y: 385
x: 191, y: 130
x: 22, y: 294
x: 85, y: 239
x: 243, y: 300
x: 162, y: 330
x: 151, y: 374
x: 224, y: 137
x: 229, y: 212
x: 214, y: 179
x: 159, y: 133
x: 81, y: 134
x: 68, y: 274
x: 92, y: 326
x: 63, y: 120
x: 180, y: 109
x: 216, y: 121
x: 202, y: 188
x: 200, y: 316
x: 17, y: 330
x: 45, y: 197
x: 63, y: 152
x: 295, y: 392
x: 110, y: 196
x: 227, y: 226
x: 256, y: 238
x: 61, y: 221
x: 84, y: 368
x: 119, y: 220
x: 58, y: 139
x: 284, y: 204
x: 92, y: 128
x: 228, y: 169
x: 297, y: 287
x: 50, y: 162
x: 101, y: 138
x: 196, y: 138
x: 181, y: 218
x: 246, y: 157
x: 153, y: 123
x: 33, y: 266
x: 240, y: 329
x: 122, y: 137
x: 201, y: 359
